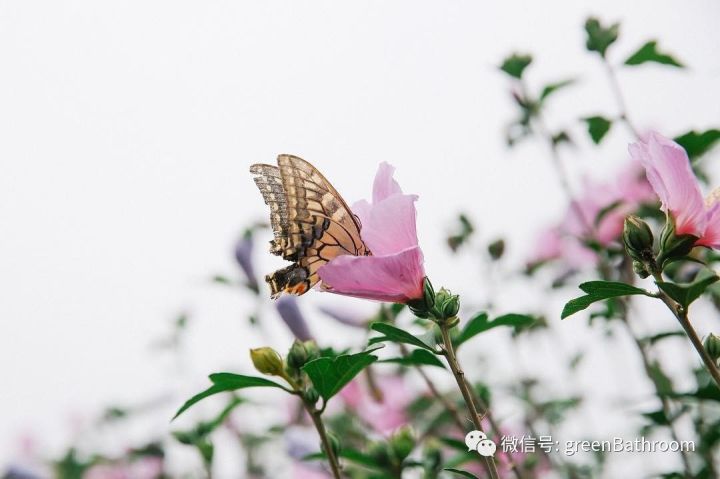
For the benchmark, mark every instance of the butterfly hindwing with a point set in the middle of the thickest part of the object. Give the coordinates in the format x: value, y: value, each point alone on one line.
x: 311, y: 222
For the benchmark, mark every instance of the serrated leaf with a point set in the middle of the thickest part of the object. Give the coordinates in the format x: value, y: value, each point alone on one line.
x: 685, y: 294
x: 599, y: 38
x: 480, y: 323
x: 397, y: 335
x: 417, y: 357
x: 330, y: 375
x: 224, y: 382
x: 515, y: 64
x: 553, y: 87
x: 460, y: 472
x: 597, y: 127
x: 650, y: 53
x: 598, y: 291
x: 698, y: 143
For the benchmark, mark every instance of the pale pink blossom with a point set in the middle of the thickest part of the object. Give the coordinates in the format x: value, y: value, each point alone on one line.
x: 668, y: 169
x: 596, y: 215
x: 382, y: 408
x: 144, y: 468
x: 394, y: 271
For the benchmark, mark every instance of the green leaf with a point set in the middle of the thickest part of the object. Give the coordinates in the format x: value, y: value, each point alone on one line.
x: 417, y: 357
x: 561, y: 137
x: 698, y: 143
x: 553, y: 87
x: 657, y: 417
x: 660, y: 336
x: 224, y: 382
x: 660, y: 379
x: 685, y: 294
x: 330, y: 375
x: 598, y: 291
x: 480, y: 323
x: 708, y: 392
x: 515, y: 64
x: 397, y: 335
x: 599, y: 38
x: 598, y: 127
x: 460, y: 472
x: 650, y: 53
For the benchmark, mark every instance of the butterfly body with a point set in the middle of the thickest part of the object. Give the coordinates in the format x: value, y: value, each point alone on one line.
x: 311, y: 222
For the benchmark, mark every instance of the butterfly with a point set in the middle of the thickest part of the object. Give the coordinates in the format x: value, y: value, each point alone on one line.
x: 311, y: 222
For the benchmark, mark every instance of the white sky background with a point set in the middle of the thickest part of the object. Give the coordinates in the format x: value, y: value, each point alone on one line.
x: 127, y: 129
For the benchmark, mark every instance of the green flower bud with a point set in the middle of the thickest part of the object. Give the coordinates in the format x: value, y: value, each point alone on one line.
x: 380, y: 453
x: 267, y: 361
x: 402, y: 443
x: 712, y: 346
x: 638, y: 239
x: 311, y: 395
x: 674, y: 246
x: 422, y: 307
x: 447, y: 306
x: 301, y: 353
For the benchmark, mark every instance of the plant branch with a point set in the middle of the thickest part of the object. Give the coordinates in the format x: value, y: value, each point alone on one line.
x: 682, y: 317
x: 449, y: 353
x: 665, y: 403
x: 619, y: 97
x: 449, y: 406
x: 322, y: 432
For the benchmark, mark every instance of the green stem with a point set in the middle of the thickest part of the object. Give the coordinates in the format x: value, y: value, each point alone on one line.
x: 459, y: 375
x: 682, y: 317
x: 322, y: 432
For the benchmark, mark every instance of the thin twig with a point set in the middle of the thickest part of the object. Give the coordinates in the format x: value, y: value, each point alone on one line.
x: 619, y: 97
x: 436, y: 393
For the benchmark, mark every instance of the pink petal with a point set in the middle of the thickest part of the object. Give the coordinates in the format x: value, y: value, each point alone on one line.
x: 668, y: 170
x: 395, y: 278
x: 711, y: 238
x: 384, y: 185
x: 389, y: 226
x: 548, y: 245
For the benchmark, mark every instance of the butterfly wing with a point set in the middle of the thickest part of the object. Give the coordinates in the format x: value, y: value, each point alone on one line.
x: 311, y: 222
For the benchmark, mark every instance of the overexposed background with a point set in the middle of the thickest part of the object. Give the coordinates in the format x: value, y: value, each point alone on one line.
x: 127, y: 130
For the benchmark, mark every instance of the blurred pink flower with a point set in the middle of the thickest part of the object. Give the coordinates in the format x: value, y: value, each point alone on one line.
x: 596, y: 215
x: 668, y: 169
x: 383, y: 412
x: 394, y: 272
x: 144, y: 468
x: 553, y: 244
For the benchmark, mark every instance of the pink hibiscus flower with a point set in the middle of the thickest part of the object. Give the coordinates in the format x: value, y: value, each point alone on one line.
x: 621, y: 197
x: 394, y: 272
x: 668, y: 169
x: 383, y: 413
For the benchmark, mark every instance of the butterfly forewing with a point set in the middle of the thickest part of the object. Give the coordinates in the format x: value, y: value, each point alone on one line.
x: 311, y: 222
